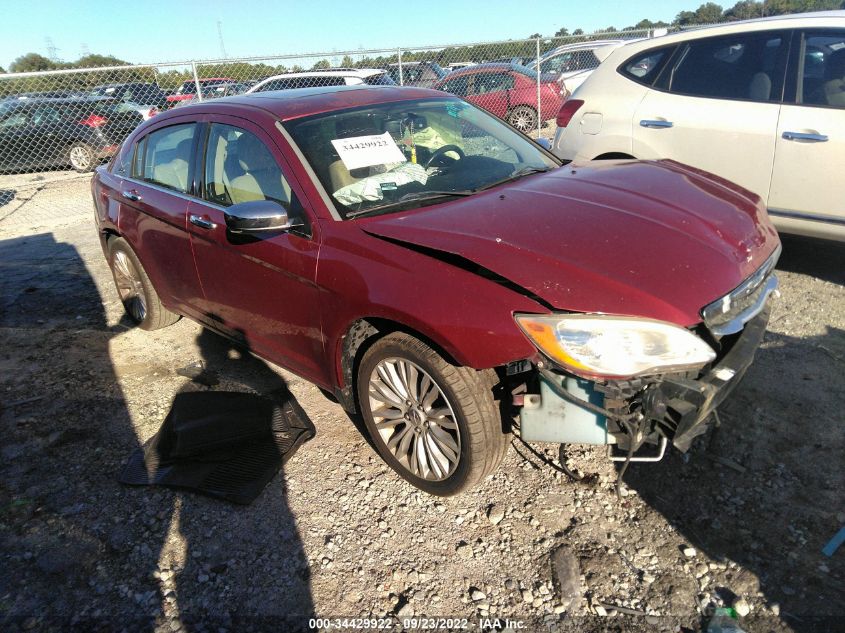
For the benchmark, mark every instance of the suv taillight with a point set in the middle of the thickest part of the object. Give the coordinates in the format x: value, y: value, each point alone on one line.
x: 94, y: 120
x: 567, y: 111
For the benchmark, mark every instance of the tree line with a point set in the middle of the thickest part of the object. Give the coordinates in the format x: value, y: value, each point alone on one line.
x: 707, y: 13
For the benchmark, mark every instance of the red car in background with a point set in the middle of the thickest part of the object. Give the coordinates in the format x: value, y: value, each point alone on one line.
x: 507, y: 90
x: 188, y: 89
x: 440, y: 273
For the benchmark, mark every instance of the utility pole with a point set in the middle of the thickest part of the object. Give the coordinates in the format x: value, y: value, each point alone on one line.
x: 220, y: 37
x: 51, y: 49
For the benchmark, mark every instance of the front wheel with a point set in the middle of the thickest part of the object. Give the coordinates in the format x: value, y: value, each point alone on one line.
x: 435, y: 424
x: 81, y: 157
x: 523, y: 118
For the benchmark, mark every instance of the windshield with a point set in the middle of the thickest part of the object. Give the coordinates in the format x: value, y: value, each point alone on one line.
x: 397, y: 156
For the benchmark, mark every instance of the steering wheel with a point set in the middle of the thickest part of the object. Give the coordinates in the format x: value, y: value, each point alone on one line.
x: 440, y: 151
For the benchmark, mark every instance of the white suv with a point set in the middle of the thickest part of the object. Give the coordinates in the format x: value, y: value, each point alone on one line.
x: 573, y: 63
x: 318, y: 78
x: 761, y: 103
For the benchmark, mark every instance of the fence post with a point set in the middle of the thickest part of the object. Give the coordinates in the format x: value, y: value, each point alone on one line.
x: 401, y: 78
x: 539, y: 109
x: 196, y: 80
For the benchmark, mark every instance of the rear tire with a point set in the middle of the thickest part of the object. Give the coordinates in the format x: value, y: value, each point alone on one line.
x: 435, y: 424
x: 140, y: 300
x: 81, y: 157
x: 523, y: 118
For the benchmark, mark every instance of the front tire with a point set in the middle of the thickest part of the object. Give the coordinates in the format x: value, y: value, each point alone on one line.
x: 140, y: 300
x: 435, y: 424
x: 81, y: 157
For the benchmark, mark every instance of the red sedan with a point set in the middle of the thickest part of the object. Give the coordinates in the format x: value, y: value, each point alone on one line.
x: 507, y: 90
x: 441, y: 274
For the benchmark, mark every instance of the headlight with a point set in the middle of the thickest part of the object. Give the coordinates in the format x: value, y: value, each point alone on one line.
x: 615, y: 347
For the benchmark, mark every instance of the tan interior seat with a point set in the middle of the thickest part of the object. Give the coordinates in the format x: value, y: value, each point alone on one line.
x: 834, y: 75
x: 339, y: 176
x: 262, y: 179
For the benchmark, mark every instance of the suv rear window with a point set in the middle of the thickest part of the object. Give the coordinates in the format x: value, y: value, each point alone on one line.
x: 644, y: 67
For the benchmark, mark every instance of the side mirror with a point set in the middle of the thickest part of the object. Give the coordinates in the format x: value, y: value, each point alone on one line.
x: 258, y: 216
x: 545, y: 143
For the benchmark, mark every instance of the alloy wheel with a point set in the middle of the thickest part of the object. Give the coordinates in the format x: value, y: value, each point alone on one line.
x: 80, y: 157
x: 129, y: 286
x: 414, y: 419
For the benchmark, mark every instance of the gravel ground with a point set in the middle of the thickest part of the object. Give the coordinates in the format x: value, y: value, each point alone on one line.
x: 739, y: 521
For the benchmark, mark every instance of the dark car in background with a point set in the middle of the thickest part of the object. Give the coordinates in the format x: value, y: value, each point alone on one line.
x: 149, y: 96
x: 43, y: 133
x: 507, y: 90
x: 419, y: 74
x: 188, y: 89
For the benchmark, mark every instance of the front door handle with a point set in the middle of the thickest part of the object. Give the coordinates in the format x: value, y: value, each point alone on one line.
x: 203, y: 223
x: 131, y: 195
x: 654, y: 123
x: 804, y: 136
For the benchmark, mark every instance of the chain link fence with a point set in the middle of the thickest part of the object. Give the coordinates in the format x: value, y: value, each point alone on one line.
x: 57, y: 126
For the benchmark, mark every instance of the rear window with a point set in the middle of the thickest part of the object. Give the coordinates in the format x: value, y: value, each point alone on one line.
x: 644, y: 67
x: 381, y: 79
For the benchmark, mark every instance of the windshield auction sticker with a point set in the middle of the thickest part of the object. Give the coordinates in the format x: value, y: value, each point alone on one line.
x: 366, y: 151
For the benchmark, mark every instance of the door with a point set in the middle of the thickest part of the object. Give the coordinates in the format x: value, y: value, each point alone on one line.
x: 260, y: 289
x: 153, y: 213
x: 716, y: 107
x: 806, y: 193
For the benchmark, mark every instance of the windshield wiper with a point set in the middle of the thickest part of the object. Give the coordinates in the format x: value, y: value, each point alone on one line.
x: 519, y: 173
x: 414, y: 196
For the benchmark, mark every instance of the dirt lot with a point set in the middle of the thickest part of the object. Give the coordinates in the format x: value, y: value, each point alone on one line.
x: 741, y: 520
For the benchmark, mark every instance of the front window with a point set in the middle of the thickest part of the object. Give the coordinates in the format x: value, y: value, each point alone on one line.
x: 397, y: 156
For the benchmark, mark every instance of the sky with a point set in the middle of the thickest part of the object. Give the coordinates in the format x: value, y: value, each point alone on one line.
x: 141, y: 31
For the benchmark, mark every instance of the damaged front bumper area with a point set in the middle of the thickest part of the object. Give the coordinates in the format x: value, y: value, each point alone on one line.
x: 669, y: 408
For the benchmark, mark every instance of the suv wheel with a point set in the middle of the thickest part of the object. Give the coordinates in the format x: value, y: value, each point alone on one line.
x: 135, y: 288
x: 81, y: 157
x: 523, y: 118
x: 435, y: 424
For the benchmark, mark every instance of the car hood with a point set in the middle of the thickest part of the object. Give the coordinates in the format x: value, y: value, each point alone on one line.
x: 650, y: 239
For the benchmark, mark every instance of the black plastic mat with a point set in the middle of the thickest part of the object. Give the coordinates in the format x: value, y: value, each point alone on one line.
x: 223, y: 444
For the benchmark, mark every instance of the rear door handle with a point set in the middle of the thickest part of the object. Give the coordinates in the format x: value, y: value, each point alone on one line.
x: 203, y: 223
x: 804, y: 136
x: 131, y: 195
x: 654, y: 123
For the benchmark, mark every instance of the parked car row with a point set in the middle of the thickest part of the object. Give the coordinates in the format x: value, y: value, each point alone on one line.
x: 79, y: 132
x: 761, y: 103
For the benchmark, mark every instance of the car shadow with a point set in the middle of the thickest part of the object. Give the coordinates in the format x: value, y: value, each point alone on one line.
x: 80, y: 551
x: 215, y: 581
x: 763, y: 490
x: 822, y: 259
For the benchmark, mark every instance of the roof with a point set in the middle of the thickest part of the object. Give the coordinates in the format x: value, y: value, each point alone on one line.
x: 493, y: 66
x: 794, y: 20
x: 301, y: 102
x: 582, y: 45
